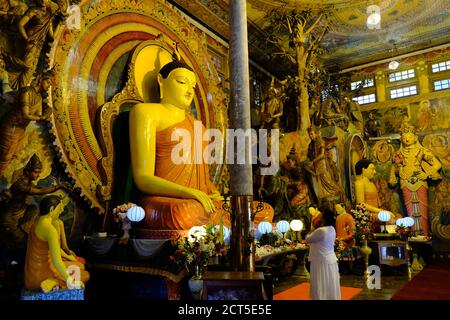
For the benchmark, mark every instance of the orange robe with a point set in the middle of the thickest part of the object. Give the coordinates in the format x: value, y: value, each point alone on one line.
x: 38, y: 265
x: 167, y: 213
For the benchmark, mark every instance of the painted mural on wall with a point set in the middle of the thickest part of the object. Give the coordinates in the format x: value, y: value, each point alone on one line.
x: 387, y: 121
x: 430, y: 115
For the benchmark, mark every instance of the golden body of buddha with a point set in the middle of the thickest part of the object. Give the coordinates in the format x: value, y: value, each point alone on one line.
x: 366, y: 191
x: 48, y: 259
x: 177, y: 195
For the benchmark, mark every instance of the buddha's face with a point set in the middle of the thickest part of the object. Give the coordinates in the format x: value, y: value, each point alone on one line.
x: 409, y: 138
x: 56, y: 212
x: 178, y: 88
x: 370, y: 171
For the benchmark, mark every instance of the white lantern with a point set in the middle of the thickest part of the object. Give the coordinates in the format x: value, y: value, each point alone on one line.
x: 265, y: 227
x: 400, y: 222
x: 283, y: 226
x: 384, y: 216
x: 196, y: 233
x: 296, y: 225
x: 409, y: 222
x: 135, y: 214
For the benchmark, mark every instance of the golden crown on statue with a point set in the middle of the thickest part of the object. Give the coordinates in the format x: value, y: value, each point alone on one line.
x: 406, y: 127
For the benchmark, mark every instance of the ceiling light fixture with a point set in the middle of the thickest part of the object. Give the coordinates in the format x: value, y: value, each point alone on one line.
x: 393, y: 65
x: 373, y: 17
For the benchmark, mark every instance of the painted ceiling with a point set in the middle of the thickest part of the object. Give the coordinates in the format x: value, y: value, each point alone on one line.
x: 406, y: 26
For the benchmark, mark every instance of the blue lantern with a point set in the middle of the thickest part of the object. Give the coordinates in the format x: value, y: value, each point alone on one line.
x: 283, y: 226
x: 409, y: 222
x: 400, y: 222
x: 384, y: 216
x: 265, y: 227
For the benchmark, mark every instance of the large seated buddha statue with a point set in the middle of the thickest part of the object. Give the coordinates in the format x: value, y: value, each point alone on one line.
x: 177, y: 192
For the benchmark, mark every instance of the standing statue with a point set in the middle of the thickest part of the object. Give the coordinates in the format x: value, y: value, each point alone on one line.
x: 34, y: 27
x: 325, y: 187
x: 414, y: 164
x: 15, y: 122
x: 178, y: 192
x: 272, y: 107
x: 15, y: 212
x: 49, y: 263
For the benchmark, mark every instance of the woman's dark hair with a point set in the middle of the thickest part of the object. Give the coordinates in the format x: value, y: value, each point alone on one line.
x: 328, y: 218
x: 362, y: 164
x: 47, y: 203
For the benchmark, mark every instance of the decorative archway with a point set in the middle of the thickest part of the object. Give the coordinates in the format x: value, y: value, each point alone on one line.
x: 91, y: 69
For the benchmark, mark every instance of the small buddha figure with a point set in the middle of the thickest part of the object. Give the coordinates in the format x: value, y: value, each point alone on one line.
x: 177, y: 191
x: 366, y: 190
x: 345, y: 226
x: 48, y: 259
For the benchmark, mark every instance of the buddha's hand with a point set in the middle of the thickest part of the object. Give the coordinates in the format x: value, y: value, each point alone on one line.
x: 71, y: 257
x: 203, y: 198
x: 216, y: 196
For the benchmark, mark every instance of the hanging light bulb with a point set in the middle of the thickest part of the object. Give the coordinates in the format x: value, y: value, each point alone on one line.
x: 373, y: 17
x: 393, y: 65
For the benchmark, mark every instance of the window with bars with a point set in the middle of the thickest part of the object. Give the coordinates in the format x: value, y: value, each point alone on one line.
x: 441, y: 66
x: 441, y: 84
x: 362, y: 84
x: 365, y: 99
x: 402, y: 75
x: 403, y: 92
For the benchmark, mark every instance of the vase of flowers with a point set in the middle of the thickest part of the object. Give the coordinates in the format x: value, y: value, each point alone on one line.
x: 403, y: 232
x: 196, y: 252
x: 362, y: 221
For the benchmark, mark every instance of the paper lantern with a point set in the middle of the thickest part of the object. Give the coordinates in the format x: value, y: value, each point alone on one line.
x: 195, y: 233
x: 409, y: 222
x: 283, y: 226
x: 400, y: 222
x: 265, y: 227
x: 135, y: 214
x: 384, y: 216
x: 296, y: 225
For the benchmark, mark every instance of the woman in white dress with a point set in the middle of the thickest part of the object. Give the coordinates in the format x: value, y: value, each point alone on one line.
x: 324, y: 271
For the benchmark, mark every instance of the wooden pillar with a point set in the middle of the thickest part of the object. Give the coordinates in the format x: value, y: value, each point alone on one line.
x: 241, y: 180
